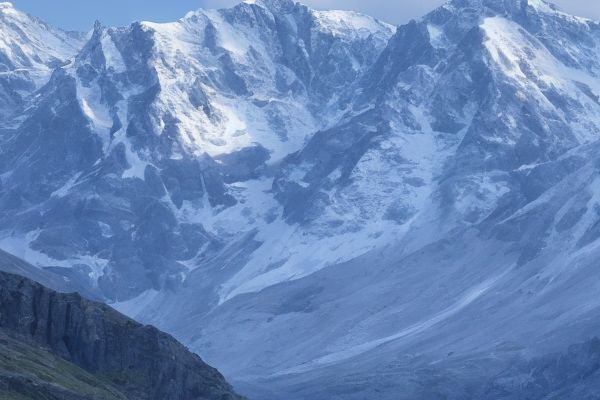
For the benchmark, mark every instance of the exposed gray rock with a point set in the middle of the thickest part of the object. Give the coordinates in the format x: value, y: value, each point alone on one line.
x: 319, y: 205
x: 139, y: 360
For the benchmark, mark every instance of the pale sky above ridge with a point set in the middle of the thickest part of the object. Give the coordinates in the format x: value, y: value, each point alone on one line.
x: 81, y: 14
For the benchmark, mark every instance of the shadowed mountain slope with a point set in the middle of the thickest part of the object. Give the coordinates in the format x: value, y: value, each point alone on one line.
x: 63, y: 346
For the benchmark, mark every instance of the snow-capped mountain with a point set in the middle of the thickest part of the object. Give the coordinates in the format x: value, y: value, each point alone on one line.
x: 29, y: 50
x: 319, y: 204
x: 174, y: 119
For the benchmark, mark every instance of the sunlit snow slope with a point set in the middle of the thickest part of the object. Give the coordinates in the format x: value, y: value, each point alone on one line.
x: 325, y: 207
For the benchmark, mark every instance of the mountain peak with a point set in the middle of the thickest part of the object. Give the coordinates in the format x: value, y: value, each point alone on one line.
x: 507, y: 6
x: 504, y: 6
x: 26, y: 40
x: 467, y: 13
x: 275, y: 5
x: 7, y: 9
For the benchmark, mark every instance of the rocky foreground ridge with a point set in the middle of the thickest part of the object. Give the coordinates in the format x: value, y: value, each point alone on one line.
x: 62, y: 346
x: 322, y: 205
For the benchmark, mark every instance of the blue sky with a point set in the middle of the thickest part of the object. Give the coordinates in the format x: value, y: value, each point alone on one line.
x: 81, y: 14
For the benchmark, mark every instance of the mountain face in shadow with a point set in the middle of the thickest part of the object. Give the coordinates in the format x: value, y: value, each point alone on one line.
x: 62, y: 346
x: 322, y: 205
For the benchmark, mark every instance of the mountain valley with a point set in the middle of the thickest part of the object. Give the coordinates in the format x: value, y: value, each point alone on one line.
x: 319, y: 204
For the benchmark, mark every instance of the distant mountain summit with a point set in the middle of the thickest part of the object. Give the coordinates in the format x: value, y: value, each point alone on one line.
x: 162, y: 121
x: 30, y: 50
x: 313, y: 197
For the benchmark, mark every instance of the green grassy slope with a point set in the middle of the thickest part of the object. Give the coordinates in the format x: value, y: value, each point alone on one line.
x: 29, y: 372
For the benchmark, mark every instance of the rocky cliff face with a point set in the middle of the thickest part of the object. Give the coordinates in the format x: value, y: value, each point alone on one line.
x: 127, y: 357
x: 312, y: 197
x: 150, y: 129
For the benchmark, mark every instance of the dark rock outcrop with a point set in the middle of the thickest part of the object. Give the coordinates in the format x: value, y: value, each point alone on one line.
x: 137, y: 360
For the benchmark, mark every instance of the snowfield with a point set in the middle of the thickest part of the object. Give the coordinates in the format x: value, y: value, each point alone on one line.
x: 320, y: 204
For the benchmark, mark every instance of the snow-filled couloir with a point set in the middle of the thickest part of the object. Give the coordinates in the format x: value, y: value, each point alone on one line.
x: 313, y: 197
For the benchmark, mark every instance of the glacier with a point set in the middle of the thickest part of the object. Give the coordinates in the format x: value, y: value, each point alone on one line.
x: 320, y: 204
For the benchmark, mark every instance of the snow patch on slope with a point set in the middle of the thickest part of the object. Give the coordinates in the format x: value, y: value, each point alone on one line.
x: 20, y: 246
x: 527, y: 62
x: 32, y: 45
x: 350, y: 24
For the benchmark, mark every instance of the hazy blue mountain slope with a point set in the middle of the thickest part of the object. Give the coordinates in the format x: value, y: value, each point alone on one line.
x: 127, y: 156
x: 29, y: 50
x: 320, y: 205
